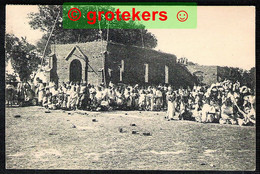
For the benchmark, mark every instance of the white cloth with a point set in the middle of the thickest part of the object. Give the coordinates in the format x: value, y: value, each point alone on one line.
x: 205, y: 110
x: 171, y: 109
x: 40, y: 92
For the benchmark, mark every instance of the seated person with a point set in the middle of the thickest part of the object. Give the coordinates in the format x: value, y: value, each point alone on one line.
x: 227, y: 113
x: 208, y: 112
x: 248, y: 115
x: 196, y: 113
x: 119, y: 99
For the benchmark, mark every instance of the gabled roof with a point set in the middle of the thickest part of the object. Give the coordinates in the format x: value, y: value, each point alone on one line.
x: 82, y: 56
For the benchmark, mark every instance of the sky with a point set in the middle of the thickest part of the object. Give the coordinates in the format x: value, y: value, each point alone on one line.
x: 225, y: 35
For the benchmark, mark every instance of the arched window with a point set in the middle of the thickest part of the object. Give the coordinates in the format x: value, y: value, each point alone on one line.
x: 166, y: 74
x: 146, y: 72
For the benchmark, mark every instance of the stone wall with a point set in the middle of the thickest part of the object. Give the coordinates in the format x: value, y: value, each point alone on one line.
x: 91, y: 65
x: 135, y: 59
x: 183, y: 77
x: 111, y: 55
x: 209, y: 73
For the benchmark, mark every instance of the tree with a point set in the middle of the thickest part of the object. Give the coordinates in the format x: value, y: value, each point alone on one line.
x: 22, y: 54
x: 40, y: 45
x: 250, y: 78
x: 252, y: 73
x: 44, y: 20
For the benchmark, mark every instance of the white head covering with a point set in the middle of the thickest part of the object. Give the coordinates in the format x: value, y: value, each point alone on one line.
x: 243, y: 89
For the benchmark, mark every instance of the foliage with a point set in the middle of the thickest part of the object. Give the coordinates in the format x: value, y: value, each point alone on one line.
x: 9, y: 78
x: 44, y: 20
x: 40, y: 45
x: 246, y: 78
x: 23, y: 58
x: 249, y: 78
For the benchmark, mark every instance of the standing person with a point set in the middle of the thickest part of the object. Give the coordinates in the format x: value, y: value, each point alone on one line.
x: 171, y: 105
x: 46, y: 96
x: 32, y: 85
x: 52, y: 87
x: 10, y: 93
x: 164, y: 101
x: 182, y: 110
x: 135, y: 97
x: 128, y: 98
x: 168, y: 93
x: 148, y: 99
x: 159, y: 99
x: 142, y: 100
x: 92, y: 94
x: 119, y: 98
x: 55, y: 98
x: 98, y: 98
x: 28, y: 94
x: 152, y: 100
x: 77, y: 85
x: 68, y: 97
x: 82, y: 98
x: 73, y: 98
x: 112, y: 97
x: 41, y: 89
x: 20, y: 94
x: 163, y: 98
x: 63, y: 96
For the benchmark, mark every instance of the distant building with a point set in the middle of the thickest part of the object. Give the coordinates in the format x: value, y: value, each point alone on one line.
x: 103, y: 62
x: 213, y: 74
x: 205, y: 74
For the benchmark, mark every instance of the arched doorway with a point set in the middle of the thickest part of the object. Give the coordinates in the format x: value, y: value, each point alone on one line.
x: 75, y: 71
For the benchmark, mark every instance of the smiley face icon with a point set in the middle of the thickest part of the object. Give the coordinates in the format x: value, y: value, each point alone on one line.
x: 182, y: 16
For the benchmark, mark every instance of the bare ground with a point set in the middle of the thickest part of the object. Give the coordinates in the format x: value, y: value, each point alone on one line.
x: 58, y: 140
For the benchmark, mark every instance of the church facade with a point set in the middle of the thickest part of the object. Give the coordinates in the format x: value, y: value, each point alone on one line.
x: 104, y: 62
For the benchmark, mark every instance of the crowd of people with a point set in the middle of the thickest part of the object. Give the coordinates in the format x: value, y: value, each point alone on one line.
x: 225, y: 103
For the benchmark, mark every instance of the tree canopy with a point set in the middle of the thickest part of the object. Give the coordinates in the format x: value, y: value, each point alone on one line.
x: 22, y: 54
x: 45, y: 18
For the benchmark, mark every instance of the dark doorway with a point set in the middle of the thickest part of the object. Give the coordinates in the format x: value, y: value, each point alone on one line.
x: 75, y: 71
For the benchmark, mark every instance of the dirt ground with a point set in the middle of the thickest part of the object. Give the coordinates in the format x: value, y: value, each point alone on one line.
x: 71, y: 140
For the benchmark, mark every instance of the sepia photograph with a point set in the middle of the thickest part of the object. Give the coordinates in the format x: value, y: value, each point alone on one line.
x: 136, y: 98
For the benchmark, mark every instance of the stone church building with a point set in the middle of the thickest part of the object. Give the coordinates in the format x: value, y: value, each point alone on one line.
x: 103, y: 62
